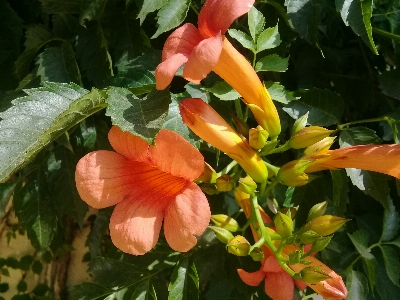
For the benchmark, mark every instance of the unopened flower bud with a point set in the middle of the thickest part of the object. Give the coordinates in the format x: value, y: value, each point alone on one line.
x: 273, y: 234
x: 222, y: 234
x: 290, y: 211
x: 295, y: 257
x: 325, y: 225
x: 208, y: 188
x: 292, y: 170
x: 273, y: 205
x: 313, y: 275
x: 317, y: 210
x: 300, y: 123
x: 321, y: 243
x: 226, y: 222
x: 308, y: 136
x: 209, y: 175
x: 257, y: 137
x: 257, y: 254
x: 225, y: 183
x: 247, y: 185
x: 309, y: 237
x: 238, y: 246
x: 283, y: 224
x: 241, y: 126
x: 323, y: 144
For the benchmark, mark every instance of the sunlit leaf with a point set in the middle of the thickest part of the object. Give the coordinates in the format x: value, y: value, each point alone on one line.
x: 244, y: 39
x: 184, y: 282
x: 256, y: 22
x: 273, y: 63
x: 223, y: 91
x: 268, y: 39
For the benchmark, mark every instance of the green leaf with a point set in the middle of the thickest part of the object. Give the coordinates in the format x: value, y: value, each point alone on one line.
x: 171, y: 15
x: 61, y: 7
x: 340, y: 190
x: 39, y: 118
x: 22, y: 286
x: 4, y: 287
x: 58, y: 64
x: 395, y: 242
x: 305, y: 15
x: 144, y: 291
x: 149, y: 6
x: 279, y: 93
x: 244, y: 39
x: 35, y: 214
x: 358, y: 136
x: 389, y: 83
x: 100, y: 226
x: 184, y: 282
x: 93, y: 10
x: 89, y: 291
x: 40, y: 289
x: 196, y: 91
x: 256, y: 22
x: 37, y: 267
x: 6, y: 191
x: 357, y: 286
x: 392, y: 263
x: 391, y: 222
x: 360, y: 241
x: 25, y: 262
x: 223, y: 91
x: 268, y: 39
x: 143, y: 117
x: 325, y: 107
x: 273, y: 63
x: 357, y: 15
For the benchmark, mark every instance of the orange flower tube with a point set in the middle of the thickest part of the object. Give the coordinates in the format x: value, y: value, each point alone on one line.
x: 205, y: 122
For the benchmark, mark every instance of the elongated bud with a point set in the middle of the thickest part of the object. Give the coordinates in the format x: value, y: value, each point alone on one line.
x: 209, y: 175
x: 241, y: 127
x: 272, y: 234
x: 247, y: 185
x: 317, y: 210
x: 308, y: 136
x: 293, y: 169
x: 325, y: 225
x: 238, y: 246
x: 295, y: 257
x: 226, y: 222
x: 257, y: 254
x: 313, y: 275
x: 208, y: 188
x: 222, y: 234
x: 225, y: 183
x: 283, y: 224
x: 257, y: 137
x: 322, y: 145
x: 309, y: 237
x: 300, y: 123
x: 321, y: 243
x: 205, y: 122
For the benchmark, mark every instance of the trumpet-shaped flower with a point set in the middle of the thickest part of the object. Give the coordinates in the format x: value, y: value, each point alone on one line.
x: 206, y: 49
x: 148, y: 184
x: 205, y: 122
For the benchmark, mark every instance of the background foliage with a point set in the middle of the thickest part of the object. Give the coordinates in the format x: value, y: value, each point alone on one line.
x: 69, y: 69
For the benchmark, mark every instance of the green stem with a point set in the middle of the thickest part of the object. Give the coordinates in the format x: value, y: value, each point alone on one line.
x: 280, y: 149
x: 238, y: 108
x: 194, y: 9
x: 340, y: 127
x: 254, y: 59
x: 272, y: 168
x: 270, y: 186
x: 227, y: 169
x: 386, y: 34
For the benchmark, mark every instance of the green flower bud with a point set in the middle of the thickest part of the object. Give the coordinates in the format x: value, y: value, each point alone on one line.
x: 317, y: 210
x: 321, y: 243
x: 208, y: 175
x: 292, y: 170
x: 272, y: 234
x: 222, y: 234
x: 290, y: 211
x: 308, y: 136
x: 238, y: 246
x: 226, y: 222
x: 313, y: 275
x: 247, y: 185
x: 323, y: 144
x: 325, y: 225
x: 208, y: 188
x: 300, y: 123
x: 241, y: 126
x: 225, y: 183
x: 309, y: 237
x: 257, y: 137
x: 283, y: 224
x: 295, y: 257
x: 257, y: 254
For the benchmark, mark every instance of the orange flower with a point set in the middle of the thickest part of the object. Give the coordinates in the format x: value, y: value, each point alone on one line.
x: 206, y: 49
x: 205, y: 122
x: 148, y: 184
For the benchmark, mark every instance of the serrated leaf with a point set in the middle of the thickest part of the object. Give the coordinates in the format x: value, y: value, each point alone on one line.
x: 6, y: 191
x: 39, y: 118
x: 268, y: 39
x: 149, y: 6
x: 171, y: 15
x: 357, y: 286
x: 360, y: 241
x: 391, y: 222
x: 325, y: 107
x: 58, y: 64
x: 256, y: 22
x: 89, y: 291
x: 389, y: 83
x: 184, y: 283
x: 223, y: 91
x: 358, y: 136
x: 242, y: 38
x: 279, y: 93
x: 100, y: 226
x: 196, y: 91
x: 273, y: 63
x: 35, y: 214
x: 357, y: 15
x: 305, y: 15
x: 391, y: 259
x: 144, y: 291
x: 60, y: 7
x: 143, y: 117
x: 340, y: 190
x: 385, y: 288
x: 93, y: 10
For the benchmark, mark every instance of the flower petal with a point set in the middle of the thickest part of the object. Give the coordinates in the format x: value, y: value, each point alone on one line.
x: 100, y: 178
x: 202, y: 59
x: 166, y: 70
x: 253, y: 278
x: 217, y: 15
x: 186, y: 217
x: 272, y: 265
x: 279, y: 286
x: 174, y: 155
